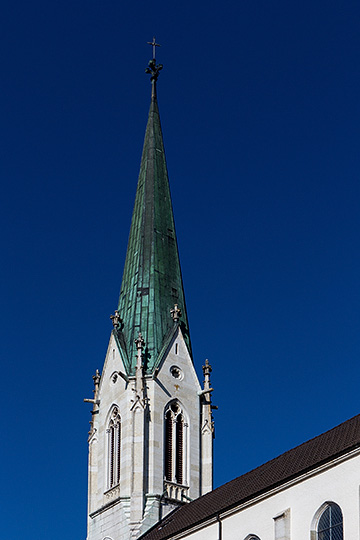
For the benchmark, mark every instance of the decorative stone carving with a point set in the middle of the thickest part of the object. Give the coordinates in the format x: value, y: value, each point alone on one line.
x: 177, y: 373
x: 207, y: 369
x: 176, y: 491
x: 175, y: 313
x: 153, y: 70
x: 139, y: 342
x: 95, y: 401
x: 112, y: 493
x: 116, y: 319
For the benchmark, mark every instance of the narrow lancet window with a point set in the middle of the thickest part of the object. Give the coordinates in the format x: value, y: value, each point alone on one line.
x: 174, y: 444
x: 168, y: 445
x: 179, y: 449
x: 114, y: 447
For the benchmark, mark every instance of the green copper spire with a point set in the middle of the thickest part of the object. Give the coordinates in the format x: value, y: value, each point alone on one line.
x: 152, y: 282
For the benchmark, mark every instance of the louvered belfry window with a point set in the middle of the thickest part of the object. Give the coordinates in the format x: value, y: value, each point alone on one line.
x: 179, y: 449
x: 114, y: 447
x: 330, y: 526
x: 174, y: 444
x: 168, y: 445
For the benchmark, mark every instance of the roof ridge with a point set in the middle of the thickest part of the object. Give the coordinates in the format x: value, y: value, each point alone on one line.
x: 275, y: 458
x: 275, y: 472
x: 295, y: 447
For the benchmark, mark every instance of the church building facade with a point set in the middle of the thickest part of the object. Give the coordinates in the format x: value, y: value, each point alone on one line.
x: 151, y: 436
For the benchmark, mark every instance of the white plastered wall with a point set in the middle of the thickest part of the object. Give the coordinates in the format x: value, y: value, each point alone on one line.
x: 337, y: 483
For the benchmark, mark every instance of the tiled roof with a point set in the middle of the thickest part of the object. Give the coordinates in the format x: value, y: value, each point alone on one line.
x: 293, y: 463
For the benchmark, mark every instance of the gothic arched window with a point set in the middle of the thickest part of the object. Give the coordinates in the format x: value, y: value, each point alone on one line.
x: 174, y: 444
x: 330, y: 524
x: 114, y: 447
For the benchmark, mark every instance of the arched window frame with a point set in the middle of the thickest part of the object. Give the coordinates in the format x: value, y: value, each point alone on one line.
x: 113, y: 434
x: 335, y: 531
x: 175, y: 444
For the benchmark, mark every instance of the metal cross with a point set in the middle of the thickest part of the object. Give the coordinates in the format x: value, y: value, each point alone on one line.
x: 154, y: 45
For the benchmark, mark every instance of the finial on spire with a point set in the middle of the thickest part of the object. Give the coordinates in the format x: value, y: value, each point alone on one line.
x: 96, y: 379
x: 116, y: 319
x: 154, y: 45
x: 175, y: 313
x: 153, y: 68
x: 95, y: 401
x: 139, y: 342
x: 207, y: 370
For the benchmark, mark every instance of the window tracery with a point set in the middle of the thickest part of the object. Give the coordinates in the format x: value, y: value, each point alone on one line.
x: 114, y: 448
x: 330, y: 524
x: 174, y: 444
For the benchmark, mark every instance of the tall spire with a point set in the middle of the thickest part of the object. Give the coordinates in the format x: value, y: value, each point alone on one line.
x: 152, y: 282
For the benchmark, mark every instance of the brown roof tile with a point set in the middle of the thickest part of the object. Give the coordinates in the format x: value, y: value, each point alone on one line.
x: 293, y: 463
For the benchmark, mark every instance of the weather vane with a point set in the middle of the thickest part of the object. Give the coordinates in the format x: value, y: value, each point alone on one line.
x: 153, y: 68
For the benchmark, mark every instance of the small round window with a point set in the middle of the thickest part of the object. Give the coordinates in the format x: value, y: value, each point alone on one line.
x: 177, y: 373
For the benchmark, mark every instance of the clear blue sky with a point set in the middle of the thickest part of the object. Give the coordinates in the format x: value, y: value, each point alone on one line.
x: 260, y: 111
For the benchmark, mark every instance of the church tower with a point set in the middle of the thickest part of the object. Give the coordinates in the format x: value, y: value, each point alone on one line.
x: 151, y: 436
